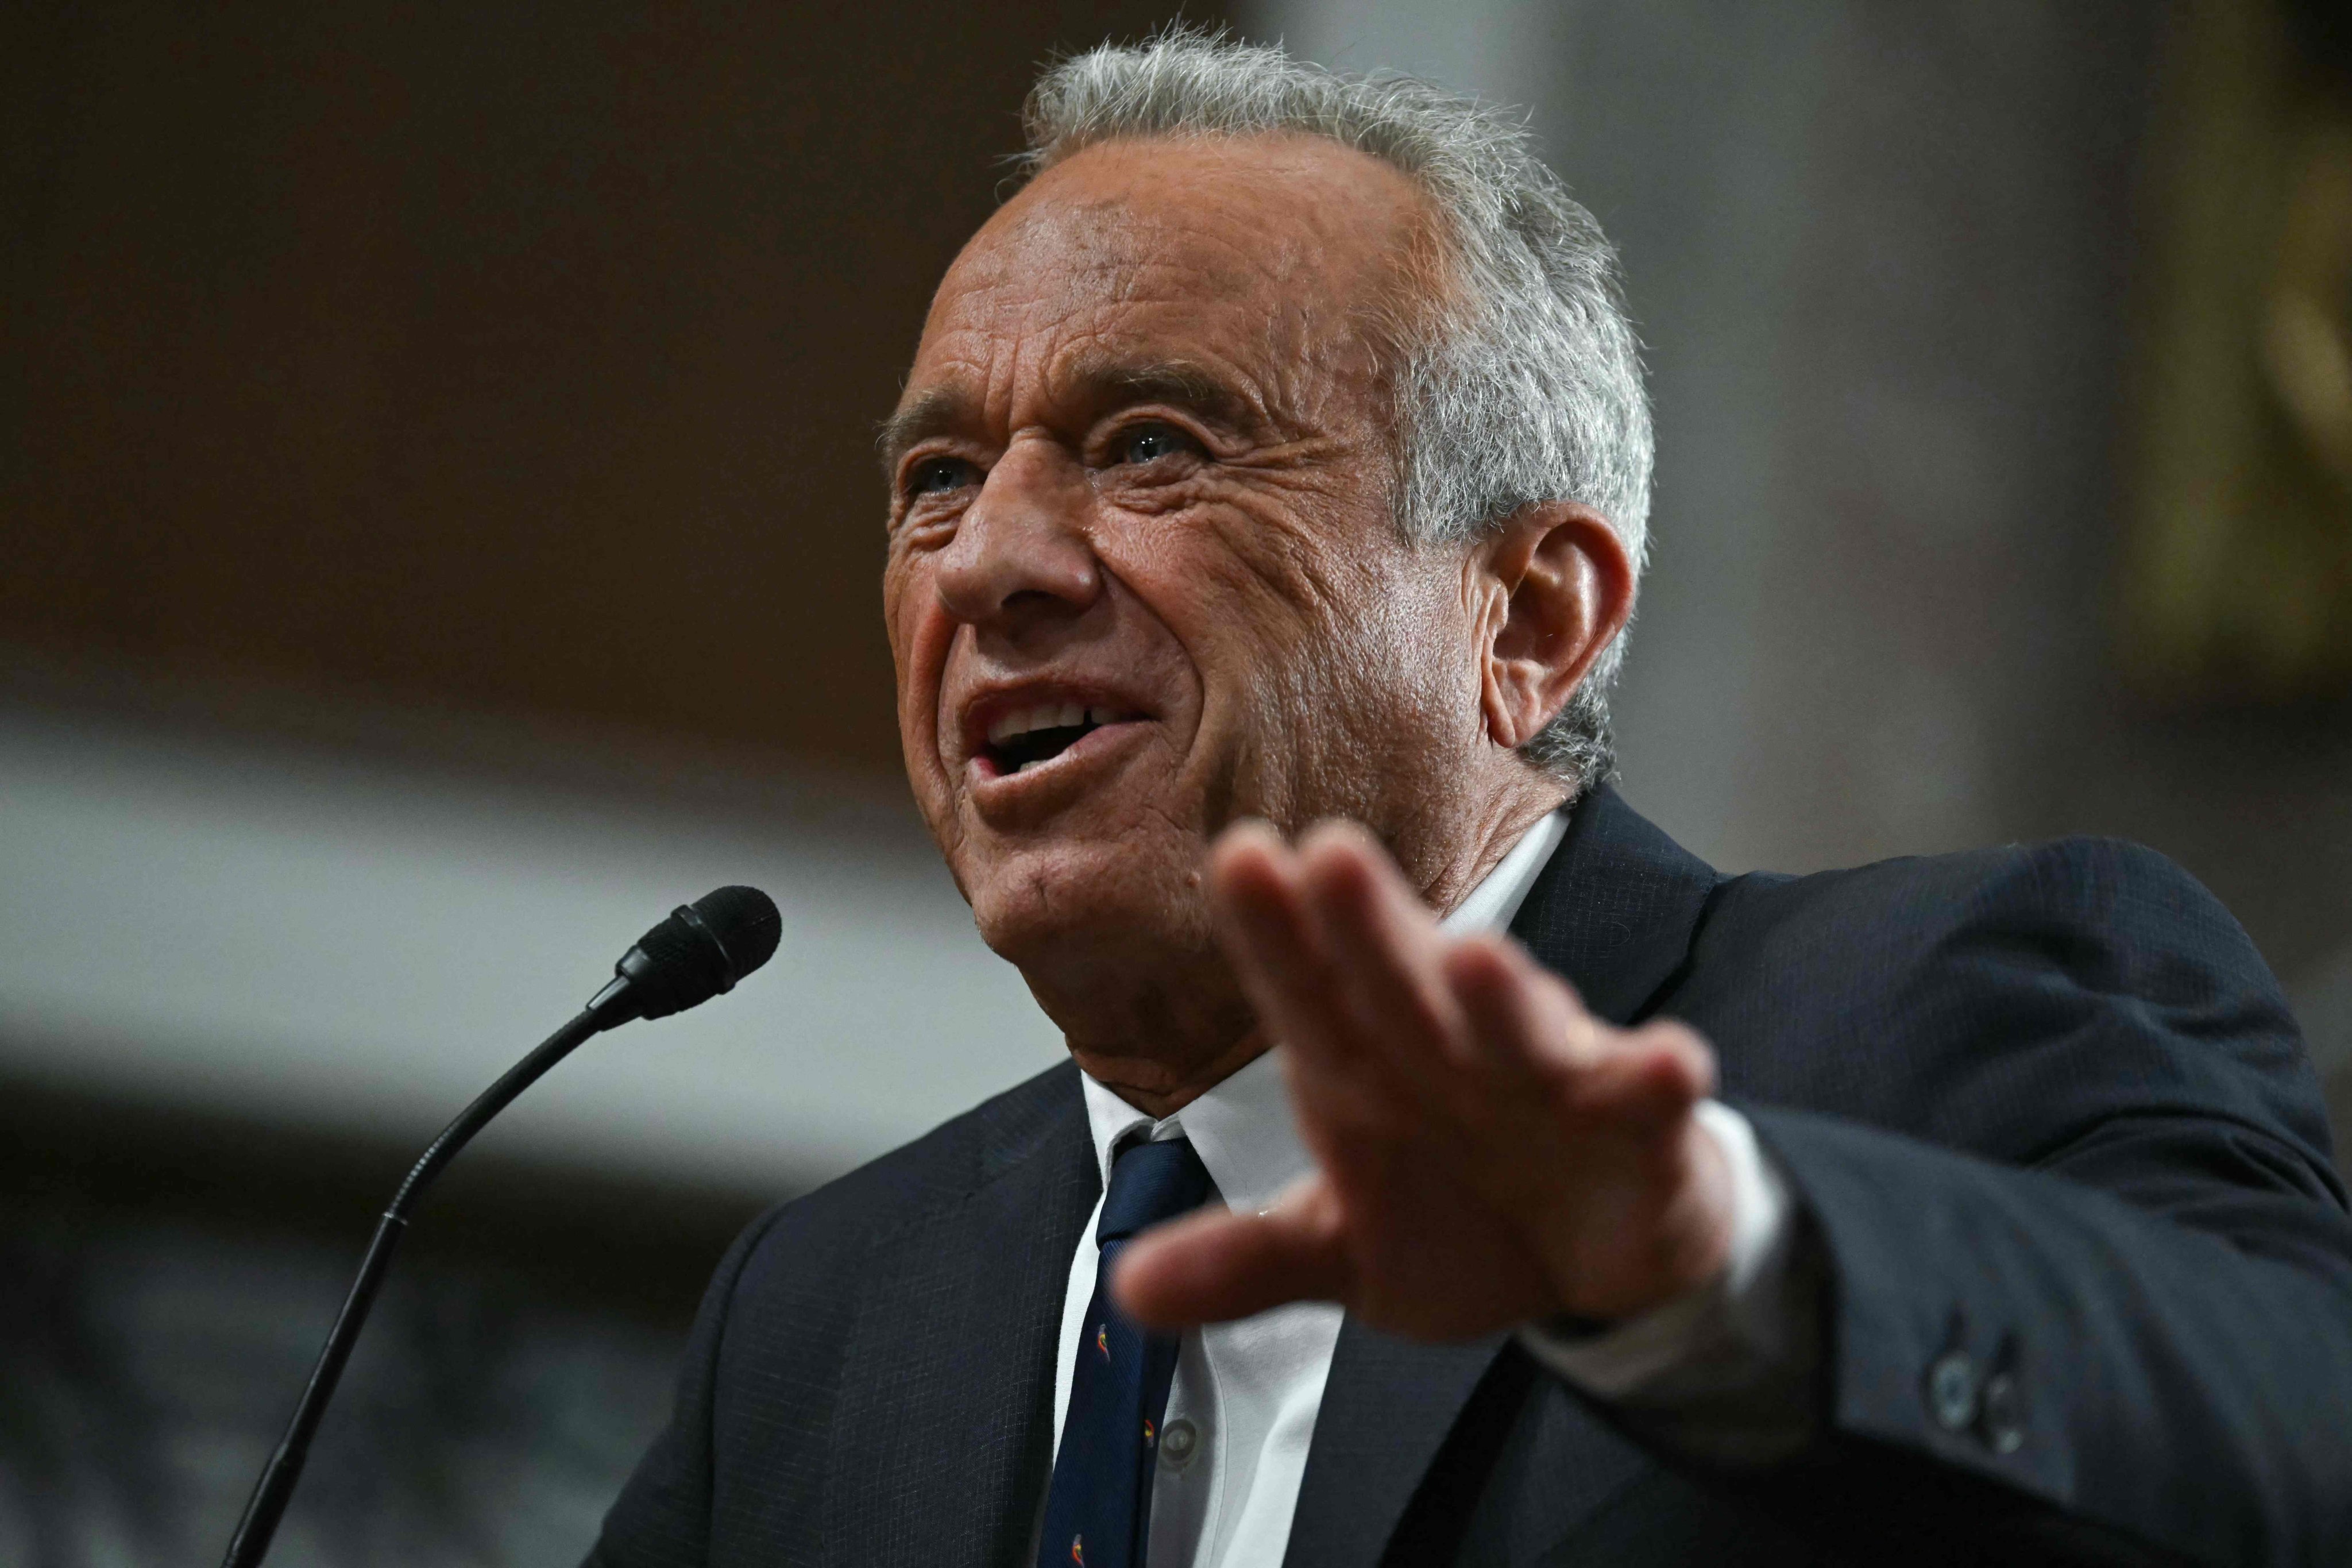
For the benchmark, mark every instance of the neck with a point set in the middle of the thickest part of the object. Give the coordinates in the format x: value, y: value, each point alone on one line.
x: 1145, y: 1084
x: 1484, y: 832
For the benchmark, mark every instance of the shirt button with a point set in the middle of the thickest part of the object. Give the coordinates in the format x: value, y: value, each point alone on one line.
x: 2002, y: 1418
x: 1952, y: 1390
x: 1178, y: 1443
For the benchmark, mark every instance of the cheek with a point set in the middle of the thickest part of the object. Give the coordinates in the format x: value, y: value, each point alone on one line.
x: 1293, y: 595
x: 1236, y: 621
x: 920, y: 633
x: 1427, y: 626
x: 1260, y: 583
x: 1353, y: 653
x: 1269, y: 621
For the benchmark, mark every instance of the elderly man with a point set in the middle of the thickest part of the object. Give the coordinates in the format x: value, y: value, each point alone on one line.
x: 1450, y: 1168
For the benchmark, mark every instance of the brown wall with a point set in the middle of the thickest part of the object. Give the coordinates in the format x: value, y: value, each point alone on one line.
x: 521, y: 357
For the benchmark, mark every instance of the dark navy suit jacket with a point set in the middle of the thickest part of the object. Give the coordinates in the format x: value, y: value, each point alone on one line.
x: 2047, y: 1119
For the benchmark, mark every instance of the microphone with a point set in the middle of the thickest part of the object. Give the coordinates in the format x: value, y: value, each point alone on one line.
x: 701, y: 951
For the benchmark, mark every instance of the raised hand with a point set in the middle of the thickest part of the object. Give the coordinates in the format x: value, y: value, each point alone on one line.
x: 1487, y: 1151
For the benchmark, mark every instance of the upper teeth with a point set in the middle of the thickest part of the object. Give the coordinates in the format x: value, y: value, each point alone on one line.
x: 1048, y: 716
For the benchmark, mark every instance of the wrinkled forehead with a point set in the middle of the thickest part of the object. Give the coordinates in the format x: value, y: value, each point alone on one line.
x: 1278, y: 258
x: 1095, y: 262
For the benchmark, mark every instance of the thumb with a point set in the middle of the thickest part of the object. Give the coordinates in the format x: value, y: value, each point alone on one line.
x: 1213, y: 1267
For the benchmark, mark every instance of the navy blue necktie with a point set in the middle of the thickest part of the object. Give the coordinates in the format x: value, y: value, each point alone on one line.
x: 1098, y: 1511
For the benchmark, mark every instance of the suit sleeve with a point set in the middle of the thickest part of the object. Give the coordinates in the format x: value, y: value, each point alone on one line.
x: 2096, y: 1305
x: 662, y: 1518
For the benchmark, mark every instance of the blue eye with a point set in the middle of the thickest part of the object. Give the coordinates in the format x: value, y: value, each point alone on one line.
x: 935, y: 476
x: 1150, y: 443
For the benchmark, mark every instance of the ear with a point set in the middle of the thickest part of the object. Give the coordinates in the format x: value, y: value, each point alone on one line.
x: 1558, y: 587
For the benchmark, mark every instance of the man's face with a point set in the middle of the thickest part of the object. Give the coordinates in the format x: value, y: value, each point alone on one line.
x: 1143, y: 575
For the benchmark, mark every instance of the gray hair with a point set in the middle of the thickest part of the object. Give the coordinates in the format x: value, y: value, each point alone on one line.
x: 1526, y: 388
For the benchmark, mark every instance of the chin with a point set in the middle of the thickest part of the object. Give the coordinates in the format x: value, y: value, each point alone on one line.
x: 1078, y: 913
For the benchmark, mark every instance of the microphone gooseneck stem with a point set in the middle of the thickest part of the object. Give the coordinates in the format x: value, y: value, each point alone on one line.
x: 254, y: 1533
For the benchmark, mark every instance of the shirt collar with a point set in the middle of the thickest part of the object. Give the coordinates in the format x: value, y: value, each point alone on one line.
x: 1491, y: 904
x: 1242, y: 1127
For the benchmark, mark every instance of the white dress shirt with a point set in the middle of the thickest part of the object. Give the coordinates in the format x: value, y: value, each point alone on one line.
x: 1241, y: 1411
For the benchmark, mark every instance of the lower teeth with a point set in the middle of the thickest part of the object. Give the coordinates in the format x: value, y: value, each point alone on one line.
x: 1082, y: 731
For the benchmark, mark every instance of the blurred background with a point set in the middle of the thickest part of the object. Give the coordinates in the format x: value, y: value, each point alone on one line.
x: 441, y: 533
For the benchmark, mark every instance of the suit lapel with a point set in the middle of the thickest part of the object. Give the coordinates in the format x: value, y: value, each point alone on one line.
x: 1387, y: 1408
x: 1616, y: 908
x: 943, y: 1440
x: 1614, y: 912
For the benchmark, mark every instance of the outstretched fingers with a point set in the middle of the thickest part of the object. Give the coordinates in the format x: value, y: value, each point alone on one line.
x: 1391, y: 952
x: 1531, y: 1021
x: 1487, y: 1150
x: 1278, y: 948
x: 1215, y: 1266
x: 1262, y: 922
x: 1525, y: 1022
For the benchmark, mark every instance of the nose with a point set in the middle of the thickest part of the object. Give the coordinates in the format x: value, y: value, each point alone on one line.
x: 1020, y: 558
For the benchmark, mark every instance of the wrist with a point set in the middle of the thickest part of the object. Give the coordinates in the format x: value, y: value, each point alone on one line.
x: 1685, y: 1246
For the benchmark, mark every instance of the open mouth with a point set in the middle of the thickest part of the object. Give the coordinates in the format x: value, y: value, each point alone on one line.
x: 1026, y: 737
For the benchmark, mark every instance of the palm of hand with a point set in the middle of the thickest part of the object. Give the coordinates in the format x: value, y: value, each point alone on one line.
x: 1487, y: 1154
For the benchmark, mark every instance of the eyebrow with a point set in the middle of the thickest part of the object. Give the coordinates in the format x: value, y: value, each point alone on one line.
x: 1095, y: 385
x: 935, y: 413
x: 1110, y: 382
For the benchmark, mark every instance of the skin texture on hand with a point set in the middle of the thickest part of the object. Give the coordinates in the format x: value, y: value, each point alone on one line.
x: 1487, y: 1153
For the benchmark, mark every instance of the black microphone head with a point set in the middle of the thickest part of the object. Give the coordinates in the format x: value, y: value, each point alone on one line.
x: 744, y: 922
x: 703, y: 949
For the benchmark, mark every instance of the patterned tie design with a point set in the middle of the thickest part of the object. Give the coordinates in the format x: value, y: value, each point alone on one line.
x: 1098, y: 1511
